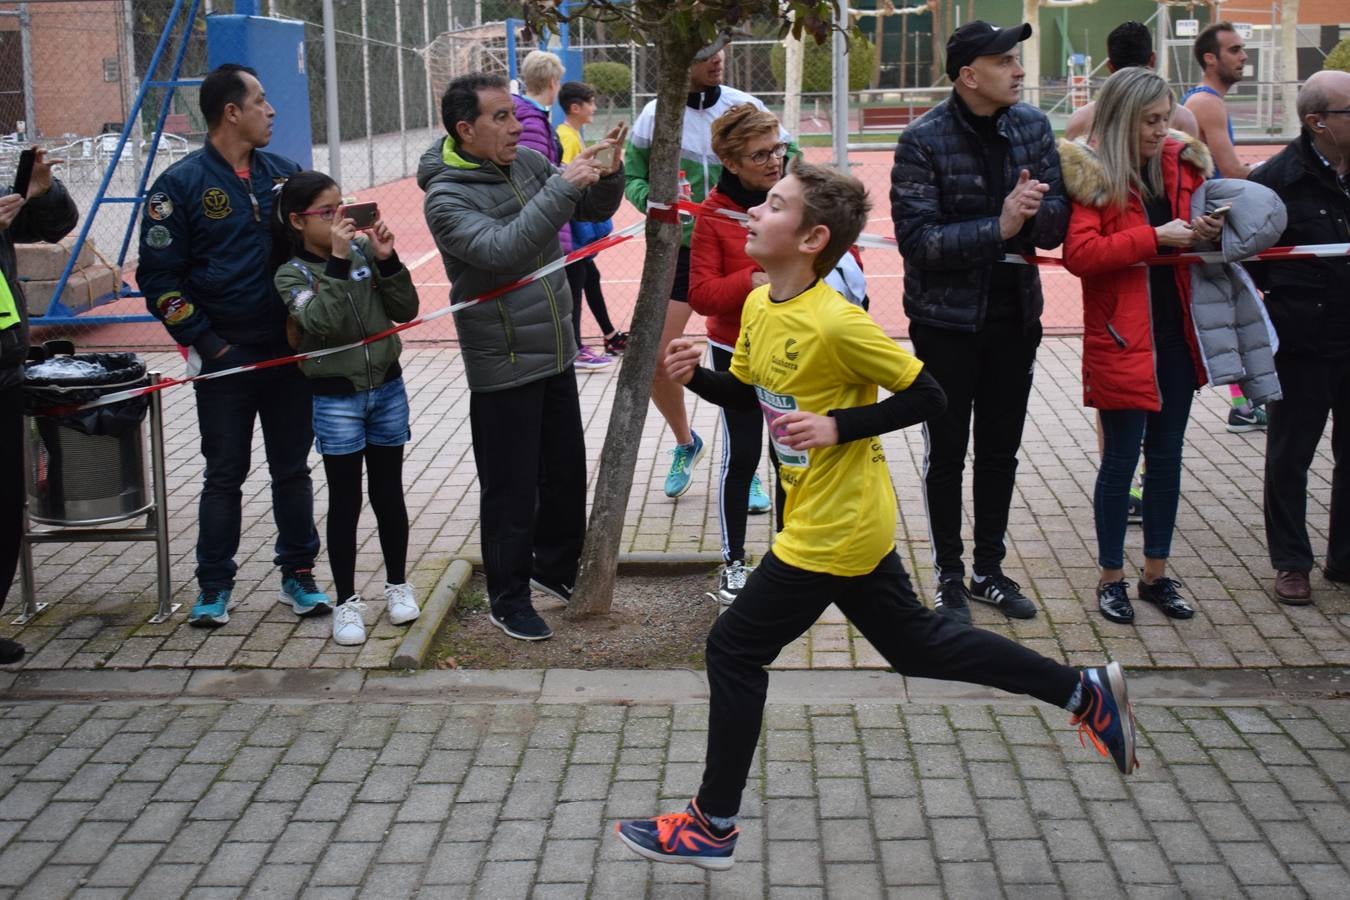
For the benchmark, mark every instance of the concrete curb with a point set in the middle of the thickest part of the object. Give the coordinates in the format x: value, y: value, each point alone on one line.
x: 1202, y: 687
x: 412, y: 652
x: 650, y: 562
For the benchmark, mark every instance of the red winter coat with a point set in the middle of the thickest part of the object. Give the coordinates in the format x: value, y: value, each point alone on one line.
x: 1101, y: 248
x: 719, y: 269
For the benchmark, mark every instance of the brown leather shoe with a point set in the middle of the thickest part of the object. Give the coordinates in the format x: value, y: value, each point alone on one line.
x: 1292, y: 588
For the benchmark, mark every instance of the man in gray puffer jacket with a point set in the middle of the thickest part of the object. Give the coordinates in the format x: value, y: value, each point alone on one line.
x: 495, y: 210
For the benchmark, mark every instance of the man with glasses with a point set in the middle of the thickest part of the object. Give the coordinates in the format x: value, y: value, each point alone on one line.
x: 204, y: 250
x: 1309, y: 304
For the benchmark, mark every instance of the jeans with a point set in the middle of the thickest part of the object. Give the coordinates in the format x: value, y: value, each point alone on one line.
x: 777, y: 605
x: 530, y: 451
x: 1162, y: 434
x: 346, y: 423
x: 226, y: 408
x: 987, y: 373
x: 1312, y: 388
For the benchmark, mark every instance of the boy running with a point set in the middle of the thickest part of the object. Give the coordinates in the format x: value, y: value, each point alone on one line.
x: 803, y: 348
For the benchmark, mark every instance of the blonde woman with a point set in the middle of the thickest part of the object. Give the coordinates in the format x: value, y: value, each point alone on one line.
x: 1131, y: 184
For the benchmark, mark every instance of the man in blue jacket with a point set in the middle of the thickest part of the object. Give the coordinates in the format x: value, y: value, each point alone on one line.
x: 204, y: 250
x: 976, y: 177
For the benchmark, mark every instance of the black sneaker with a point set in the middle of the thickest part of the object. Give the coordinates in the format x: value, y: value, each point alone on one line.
x: 1241, y: 423
x: 616, y: 343
x: 10, y: 651
x: 553, y: 588
x: 731, y: 580
x: 525, y: 625
x: 952, y: 600
x: 1163, y: 593
x: 1113, y: 599
x: 1001, y: 591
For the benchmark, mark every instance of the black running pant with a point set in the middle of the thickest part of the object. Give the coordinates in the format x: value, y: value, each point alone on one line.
x: 987, y: 373
x: 1312, y: 388
x: 778, y: 604
x: 384, y: 471
x: 530, y: 452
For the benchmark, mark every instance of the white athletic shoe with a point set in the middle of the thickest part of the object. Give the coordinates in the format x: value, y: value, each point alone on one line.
x: 349, y: 624
x: 403, y: 606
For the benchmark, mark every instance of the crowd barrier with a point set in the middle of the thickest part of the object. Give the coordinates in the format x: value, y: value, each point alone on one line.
x: 666, y: 212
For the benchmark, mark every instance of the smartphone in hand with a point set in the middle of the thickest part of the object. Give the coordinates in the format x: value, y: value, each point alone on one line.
x: 1220, y: 212
x: 363, y: 215
x: 24, y: 174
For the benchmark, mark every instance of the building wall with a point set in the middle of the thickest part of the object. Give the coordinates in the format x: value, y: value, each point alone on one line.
x: 70, y: 42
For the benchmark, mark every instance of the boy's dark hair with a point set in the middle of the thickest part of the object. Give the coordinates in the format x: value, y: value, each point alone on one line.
x: 1208, y: 41
x: 222, y: 86
x: 459, y: 103
x: 295, y: 195
x: 835, y: 200
x: 1129, y: 44
x: 574, y: 92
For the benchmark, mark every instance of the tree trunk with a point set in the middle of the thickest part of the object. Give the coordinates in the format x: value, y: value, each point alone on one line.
x: 594, y: 590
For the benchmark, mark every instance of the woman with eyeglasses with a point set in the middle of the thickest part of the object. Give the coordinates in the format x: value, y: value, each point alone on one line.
x: 1131, y: 183
x: 747, y: 141
x: 341, y: 285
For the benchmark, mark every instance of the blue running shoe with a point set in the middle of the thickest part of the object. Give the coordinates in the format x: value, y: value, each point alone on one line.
x: 1107, y: 718
x: 685, y: 837
x: 211, y: 609
x: 683, y: 459
x: 299, y: 590
x: 759, y: 501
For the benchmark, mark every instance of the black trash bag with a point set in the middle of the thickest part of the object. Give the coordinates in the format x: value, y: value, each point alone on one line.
x: 55, y: 381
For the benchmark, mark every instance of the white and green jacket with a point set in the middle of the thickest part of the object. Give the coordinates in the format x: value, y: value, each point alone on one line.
x: 700, y: 165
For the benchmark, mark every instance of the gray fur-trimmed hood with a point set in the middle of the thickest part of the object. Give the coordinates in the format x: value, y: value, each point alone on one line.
x: 1085, y: 176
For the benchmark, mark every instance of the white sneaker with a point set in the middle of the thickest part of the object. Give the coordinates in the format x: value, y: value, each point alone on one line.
x: 403, y: 606
x: 349, y: 624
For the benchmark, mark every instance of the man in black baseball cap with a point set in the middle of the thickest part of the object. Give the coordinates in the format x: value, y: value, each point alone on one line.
x: 975, y: 178
x: 979, y: 38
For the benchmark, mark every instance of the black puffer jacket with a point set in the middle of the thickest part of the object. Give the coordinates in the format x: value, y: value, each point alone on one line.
x: 47, y: 218
x: 946, y: 214
x: 1307, y: 299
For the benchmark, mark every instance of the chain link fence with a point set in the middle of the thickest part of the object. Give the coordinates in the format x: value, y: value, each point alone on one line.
x: 394, y: 58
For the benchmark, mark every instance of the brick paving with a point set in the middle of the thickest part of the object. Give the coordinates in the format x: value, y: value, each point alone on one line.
x: 103, y: 593
x: 200, y: 798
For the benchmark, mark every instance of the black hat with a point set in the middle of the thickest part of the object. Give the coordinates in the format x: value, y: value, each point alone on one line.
x: 979, y: 38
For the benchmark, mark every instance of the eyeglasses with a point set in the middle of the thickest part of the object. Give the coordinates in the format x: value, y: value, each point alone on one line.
x: 325, y: 213
x: 760, y: 157
x: 1332, y: 112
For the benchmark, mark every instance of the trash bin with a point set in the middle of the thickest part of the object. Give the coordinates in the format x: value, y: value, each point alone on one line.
x: 86, y: 467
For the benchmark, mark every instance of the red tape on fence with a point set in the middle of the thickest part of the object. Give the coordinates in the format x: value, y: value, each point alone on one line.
x: 665, y: 213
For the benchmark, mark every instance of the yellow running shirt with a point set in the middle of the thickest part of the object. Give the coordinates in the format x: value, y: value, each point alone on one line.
x: 571, y: 141
x: 818, y: 352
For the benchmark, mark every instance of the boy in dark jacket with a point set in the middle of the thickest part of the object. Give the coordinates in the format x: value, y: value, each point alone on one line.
x: 46, y: 214
x: 976, y: 177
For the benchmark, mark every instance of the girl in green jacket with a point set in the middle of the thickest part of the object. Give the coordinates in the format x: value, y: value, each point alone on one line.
x: 342, y: 285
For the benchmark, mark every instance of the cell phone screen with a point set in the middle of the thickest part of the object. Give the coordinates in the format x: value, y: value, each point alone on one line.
x: 24, y: 174
x: 362, y: 214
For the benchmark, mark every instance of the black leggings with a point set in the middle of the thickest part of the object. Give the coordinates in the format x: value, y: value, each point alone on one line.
x: 384, y: 470
x: 778, y: 604
x: 740, y: 456
x: 583, y: 277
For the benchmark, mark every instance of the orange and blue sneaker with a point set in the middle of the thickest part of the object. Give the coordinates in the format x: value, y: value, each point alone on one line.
x: 1107, y: 718
x: 685, y: 837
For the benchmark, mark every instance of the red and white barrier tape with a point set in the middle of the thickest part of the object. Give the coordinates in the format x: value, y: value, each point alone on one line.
x: 1274, y: 254
x: 611, y: 240
x: 668, y: 213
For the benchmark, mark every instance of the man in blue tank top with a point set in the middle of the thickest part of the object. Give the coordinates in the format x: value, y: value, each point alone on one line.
x: 1219, y: 52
